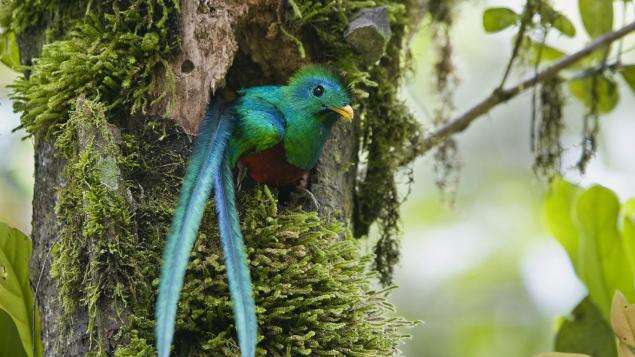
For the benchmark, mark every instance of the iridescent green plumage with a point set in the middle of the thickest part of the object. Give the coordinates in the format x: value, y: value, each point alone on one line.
x: 278, y: 133
x: 291, y: 114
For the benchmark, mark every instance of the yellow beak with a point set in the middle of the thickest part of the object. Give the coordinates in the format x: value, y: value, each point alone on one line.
x: 345, y: 112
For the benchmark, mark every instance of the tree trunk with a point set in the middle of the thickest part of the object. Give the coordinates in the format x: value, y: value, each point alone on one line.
x: 107, y: 173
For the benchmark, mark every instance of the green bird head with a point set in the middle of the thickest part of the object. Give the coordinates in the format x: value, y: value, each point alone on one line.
x: 315, y: 89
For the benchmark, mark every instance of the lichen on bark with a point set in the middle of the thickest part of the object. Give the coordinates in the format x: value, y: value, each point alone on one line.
x: 113, y: 67
x: 96, y: 254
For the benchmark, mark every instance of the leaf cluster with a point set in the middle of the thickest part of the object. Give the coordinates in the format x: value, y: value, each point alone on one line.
x: 598, y: 234
x: 591, y: 81
x: 19, y: 318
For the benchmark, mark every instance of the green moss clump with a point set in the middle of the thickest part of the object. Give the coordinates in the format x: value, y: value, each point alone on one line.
x: 29, y: 15
x: 113, y: 56
x: 94, y: 256
x: 312, y: 290
x: 136, y: 347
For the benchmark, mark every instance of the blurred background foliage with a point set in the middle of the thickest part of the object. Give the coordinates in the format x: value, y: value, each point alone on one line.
x: 484, y: 275
x: 478, y: 269
x: 19, y: 317
x: 16, y: 163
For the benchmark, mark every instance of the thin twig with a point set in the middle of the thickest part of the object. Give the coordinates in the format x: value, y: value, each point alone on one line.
x: 534, y: 97
x: 601, y: 68
x: 500, y: 95
x: 620, y: 46
x: 527, y: 14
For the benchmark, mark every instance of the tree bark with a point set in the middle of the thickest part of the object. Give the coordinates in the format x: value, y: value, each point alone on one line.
x: 48, y: 179
x: 45, y: 223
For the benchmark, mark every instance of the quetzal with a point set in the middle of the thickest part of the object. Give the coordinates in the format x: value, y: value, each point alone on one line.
x: 277, y: 133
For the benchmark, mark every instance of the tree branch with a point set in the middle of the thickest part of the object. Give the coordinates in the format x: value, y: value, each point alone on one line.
x: 500, y: 95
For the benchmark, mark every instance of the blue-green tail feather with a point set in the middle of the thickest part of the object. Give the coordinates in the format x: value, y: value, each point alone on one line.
x: 207, y: 157
x: 235, y: 261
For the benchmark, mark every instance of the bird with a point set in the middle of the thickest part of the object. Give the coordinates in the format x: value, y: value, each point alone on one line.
x: 277, y: 132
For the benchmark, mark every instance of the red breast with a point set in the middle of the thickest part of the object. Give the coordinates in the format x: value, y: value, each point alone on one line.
x: 271, y: 167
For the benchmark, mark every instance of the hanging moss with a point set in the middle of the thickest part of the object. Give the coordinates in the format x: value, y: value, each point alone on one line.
x: 447, y: 158
x: 548, y: 129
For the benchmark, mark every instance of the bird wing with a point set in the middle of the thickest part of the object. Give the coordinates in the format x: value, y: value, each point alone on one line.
x: 261, y: 127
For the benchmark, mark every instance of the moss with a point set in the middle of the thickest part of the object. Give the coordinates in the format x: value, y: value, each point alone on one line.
x: 113, y: 56
x: 55, y: 15
x: 447, y: 160
x: 312, y: 290
x: 94, y: 256
x: 547, y: 130
x: 136, y: 347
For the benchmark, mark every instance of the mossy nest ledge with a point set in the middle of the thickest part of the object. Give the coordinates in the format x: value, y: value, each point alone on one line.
x: 312, y: 290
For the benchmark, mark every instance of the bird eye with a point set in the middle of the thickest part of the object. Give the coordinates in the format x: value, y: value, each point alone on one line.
x: 318, y: 91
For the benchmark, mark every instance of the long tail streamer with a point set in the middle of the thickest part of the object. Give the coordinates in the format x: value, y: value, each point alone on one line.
x: 203, y: 171
x: 235, y: 261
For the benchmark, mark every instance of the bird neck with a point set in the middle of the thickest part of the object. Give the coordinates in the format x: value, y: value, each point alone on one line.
x: 305, y: 133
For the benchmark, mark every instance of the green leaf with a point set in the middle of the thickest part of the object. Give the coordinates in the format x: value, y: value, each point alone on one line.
x: 9, y: 345
x: 499, y: 18
x: 628, y: 73
x: 549, y: 15
x: 628, y: 232
x: 586, y: 225
x: 16, y: 296
x: 9, y: 51
x: 602, y: 263
x: 597, y: 16
x: 543, y: 53
x: 557, y: 216
x: 606, y: 92
x: 587, y: 332
x: 563, y: 24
